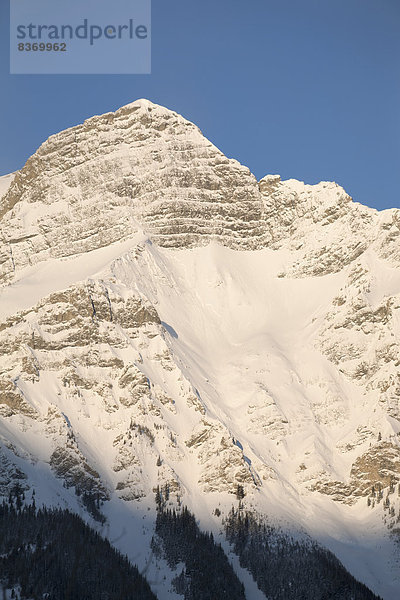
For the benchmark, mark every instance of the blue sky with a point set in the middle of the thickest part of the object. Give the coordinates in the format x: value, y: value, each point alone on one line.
x: 309, y: 89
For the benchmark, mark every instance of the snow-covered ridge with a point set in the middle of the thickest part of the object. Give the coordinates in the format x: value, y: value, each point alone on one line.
x: 5, y: 182
x: 328, y: 229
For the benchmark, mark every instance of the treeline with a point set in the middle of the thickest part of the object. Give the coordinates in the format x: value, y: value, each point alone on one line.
x: 207, y: 574
x: 286, y: 569
x: 53, y: 554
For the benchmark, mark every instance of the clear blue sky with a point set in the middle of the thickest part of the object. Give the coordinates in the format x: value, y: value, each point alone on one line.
x: 306, y: 88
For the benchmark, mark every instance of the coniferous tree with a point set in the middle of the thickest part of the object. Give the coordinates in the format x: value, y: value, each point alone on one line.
x: 289, y: 569
x: 208, y: 574
x: 53, y: 554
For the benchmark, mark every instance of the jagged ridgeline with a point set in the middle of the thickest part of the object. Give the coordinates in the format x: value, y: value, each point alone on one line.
x: 289, y: 569
x: 53, y: 554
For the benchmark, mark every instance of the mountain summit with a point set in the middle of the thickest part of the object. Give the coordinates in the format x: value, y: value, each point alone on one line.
x: 172, y: 329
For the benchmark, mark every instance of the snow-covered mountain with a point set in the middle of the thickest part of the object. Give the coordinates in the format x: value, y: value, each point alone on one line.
x: 168, y: 320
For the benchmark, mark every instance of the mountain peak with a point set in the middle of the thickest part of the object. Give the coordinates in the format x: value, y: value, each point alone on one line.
x: 146, y: 167
x: 90, y: 185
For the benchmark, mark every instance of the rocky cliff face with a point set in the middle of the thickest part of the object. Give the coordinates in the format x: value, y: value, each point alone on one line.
x: 167, y: 321
x: 142, y: 163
